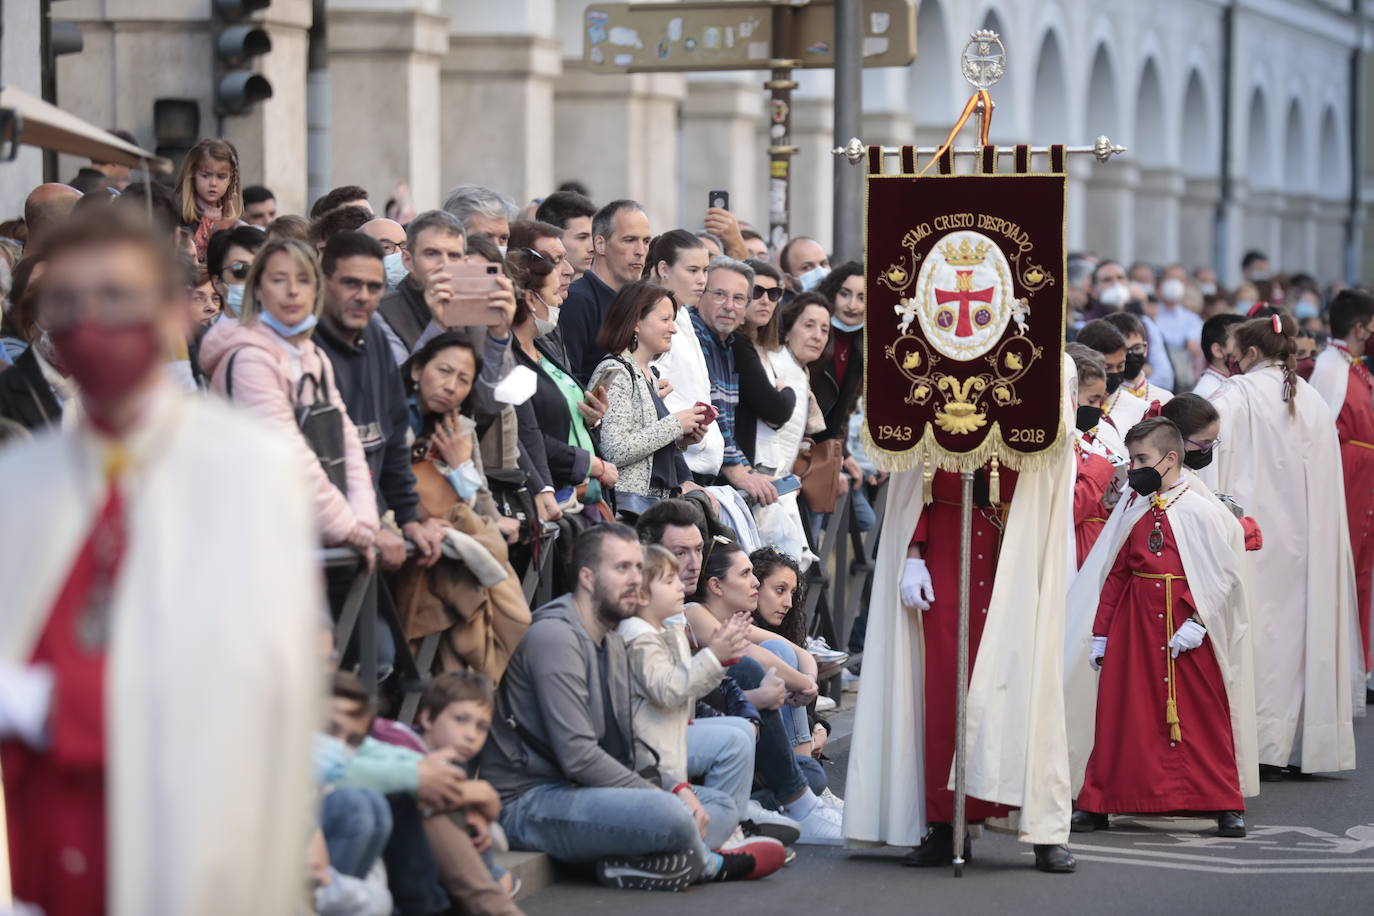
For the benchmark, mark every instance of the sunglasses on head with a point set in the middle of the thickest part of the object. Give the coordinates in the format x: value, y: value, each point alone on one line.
x: 773, y: 294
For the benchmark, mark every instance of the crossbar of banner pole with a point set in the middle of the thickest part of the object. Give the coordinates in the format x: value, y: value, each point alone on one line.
x: 855, y: 151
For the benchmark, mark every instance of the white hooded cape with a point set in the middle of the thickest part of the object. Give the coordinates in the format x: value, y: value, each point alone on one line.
x: 1331, y: 378
x: 1211, y: 544
x: 1016, y: 743
x: 212, y: 691
x: 1286, y: 473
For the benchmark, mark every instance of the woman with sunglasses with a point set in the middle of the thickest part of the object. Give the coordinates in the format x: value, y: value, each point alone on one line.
x: 763, y: 398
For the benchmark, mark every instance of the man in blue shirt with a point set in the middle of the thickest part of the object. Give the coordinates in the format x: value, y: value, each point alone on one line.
x: 717, y: 315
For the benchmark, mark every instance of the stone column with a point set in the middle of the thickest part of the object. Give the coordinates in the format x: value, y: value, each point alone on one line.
x: 271, y: 139
x: 1197, y: 215
x: 22, y: 69
x: 1109, y: 211
x: 618, y: 134
x: 1298, y: 234
x: 1157, y: 216
x: 384, y: 103
x: 496, y: 121
x: 720, y: 146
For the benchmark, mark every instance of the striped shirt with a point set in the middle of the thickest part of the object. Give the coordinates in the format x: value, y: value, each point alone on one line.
x: 720, y: 366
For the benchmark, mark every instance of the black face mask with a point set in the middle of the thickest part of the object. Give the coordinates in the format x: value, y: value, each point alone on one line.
x: 1113, y: 381
x: 1134, y: 363
x: 1198, y: 459
x: 1145, y: 481
x: 1088, y: 417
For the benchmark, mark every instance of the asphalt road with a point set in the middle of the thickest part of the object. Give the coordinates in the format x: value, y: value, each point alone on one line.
x: 1310, y: 850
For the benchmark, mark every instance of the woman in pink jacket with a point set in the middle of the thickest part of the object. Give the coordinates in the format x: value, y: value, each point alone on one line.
x: 272, y: 352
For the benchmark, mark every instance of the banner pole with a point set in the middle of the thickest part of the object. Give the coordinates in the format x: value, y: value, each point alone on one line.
x: 961, y: 693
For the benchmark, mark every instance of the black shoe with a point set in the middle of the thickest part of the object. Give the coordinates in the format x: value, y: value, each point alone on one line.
x: 937, y: 848
x: 1087, y: 822
x: 1055, y: 859
x: 1230, y: 823
x: 668, y: 872
x: 1271, y: 773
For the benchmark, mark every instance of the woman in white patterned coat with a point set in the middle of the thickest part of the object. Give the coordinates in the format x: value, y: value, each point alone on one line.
x: 638, y: 434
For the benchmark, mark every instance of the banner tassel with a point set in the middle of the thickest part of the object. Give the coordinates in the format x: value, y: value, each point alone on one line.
x: 994, y: 484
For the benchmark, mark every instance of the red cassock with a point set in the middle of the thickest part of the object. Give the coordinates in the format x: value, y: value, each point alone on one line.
x: 1089, y: 515
x: 937, y: 534
x: 1355, y: 424
x: 55, y: 798
x: 1137, y: 765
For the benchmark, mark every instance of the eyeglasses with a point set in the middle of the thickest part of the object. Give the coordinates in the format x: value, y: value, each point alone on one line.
x: 722, y: 297
x: 1136, y: 350
x: 1203, y: 448
x: 238, y: 270
x: 390, y: 247
x: 773, y: 294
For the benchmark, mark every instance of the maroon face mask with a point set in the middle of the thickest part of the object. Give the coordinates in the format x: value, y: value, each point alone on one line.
x: 1305, y: 367
x: 108, y: 362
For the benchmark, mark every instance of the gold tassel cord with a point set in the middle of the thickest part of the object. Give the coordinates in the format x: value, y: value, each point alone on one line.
x: 1171, y: 703
x: 994, y: 483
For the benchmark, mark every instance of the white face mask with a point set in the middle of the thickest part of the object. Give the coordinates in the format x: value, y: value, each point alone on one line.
x: 394, y: 265
x: 1171, y: 290
x: 812, y: 278
x: 543, y: 327
x: 1115, y: 296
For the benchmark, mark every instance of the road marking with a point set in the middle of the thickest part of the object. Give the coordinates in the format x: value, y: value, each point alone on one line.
x: 1259, y: 868
x: 1338, y: 864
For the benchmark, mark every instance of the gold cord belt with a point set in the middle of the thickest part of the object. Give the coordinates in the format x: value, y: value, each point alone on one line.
x: 1095, y: 518
x: 1170, y: 704
x: 1360, y: 444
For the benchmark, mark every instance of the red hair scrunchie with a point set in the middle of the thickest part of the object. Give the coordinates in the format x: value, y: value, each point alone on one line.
x: 1278, y: 325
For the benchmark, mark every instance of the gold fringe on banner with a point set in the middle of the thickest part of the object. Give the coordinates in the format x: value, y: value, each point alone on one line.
x: 928, y: 454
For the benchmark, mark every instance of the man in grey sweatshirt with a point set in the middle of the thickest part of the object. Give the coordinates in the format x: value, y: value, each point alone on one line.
x: 561, y: 749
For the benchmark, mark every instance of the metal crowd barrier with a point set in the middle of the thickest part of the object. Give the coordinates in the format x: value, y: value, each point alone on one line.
x: 369, y: 600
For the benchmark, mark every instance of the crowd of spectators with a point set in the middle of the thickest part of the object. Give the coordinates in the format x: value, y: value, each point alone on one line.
x: 623, y: 405
x: 672, y: 411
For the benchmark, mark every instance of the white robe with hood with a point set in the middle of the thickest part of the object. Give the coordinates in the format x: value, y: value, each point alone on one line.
x: 1017, y: 749
x: 1286, y: 472
x: 212, y: 687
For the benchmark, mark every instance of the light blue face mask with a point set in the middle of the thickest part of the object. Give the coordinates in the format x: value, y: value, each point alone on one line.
x: 677, y: 620
x: 394, y: 265
x: 331, y: 757
x: 847, y: 328
x: 812, y: 278
x: 233, y: 299
x: 1305, y: 309
x: 289, y: 330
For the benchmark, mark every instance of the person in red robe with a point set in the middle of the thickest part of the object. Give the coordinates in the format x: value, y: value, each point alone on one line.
x: 1096, y: 467
x: 930, y: 583
x: 1342, y: 365
x: 1163, y: 741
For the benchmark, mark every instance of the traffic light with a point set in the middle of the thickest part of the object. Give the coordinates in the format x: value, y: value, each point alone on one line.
x: 176, y: 125
x: 237, y: 43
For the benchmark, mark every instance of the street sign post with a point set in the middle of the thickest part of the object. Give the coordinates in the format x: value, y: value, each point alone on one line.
x: 780, y: 36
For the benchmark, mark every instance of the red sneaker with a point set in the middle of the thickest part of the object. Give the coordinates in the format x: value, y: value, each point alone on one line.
x: 757, y: 858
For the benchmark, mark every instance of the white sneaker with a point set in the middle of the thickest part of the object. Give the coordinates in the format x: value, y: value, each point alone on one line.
x: 824, y: 826
x: 759, y: 821
x: 849, y: 680
x: 824, y: 704
x: 831, y: 800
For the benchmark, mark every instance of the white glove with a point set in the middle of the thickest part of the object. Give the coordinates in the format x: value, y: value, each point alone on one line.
x: 1188, y: 637
x: 917, y: 589
x: 1098, y: 650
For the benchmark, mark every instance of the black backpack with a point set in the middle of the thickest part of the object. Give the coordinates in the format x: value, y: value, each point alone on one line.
x: 320, y: 422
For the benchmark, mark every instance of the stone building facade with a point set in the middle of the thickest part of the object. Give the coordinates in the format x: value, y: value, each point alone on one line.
x: 437, y: 92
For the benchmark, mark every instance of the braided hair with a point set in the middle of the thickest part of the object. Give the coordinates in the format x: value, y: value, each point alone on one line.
x: 1275, y: 337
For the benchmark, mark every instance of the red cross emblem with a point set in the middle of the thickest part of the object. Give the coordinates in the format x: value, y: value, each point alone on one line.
x: 964, y: 294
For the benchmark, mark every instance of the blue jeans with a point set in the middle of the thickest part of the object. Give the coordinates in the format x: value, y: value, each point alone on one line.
x: 774, y: 760
x: 720, y: 755
x: 356, y: 824
x: 794, y: 720
x: 583, y: 825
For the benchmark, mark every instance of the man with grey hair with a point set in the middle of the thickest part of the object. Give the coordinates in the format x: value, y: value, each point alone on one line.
x: 620, y: 240
x: 482, y: 211
x: 718, y: 314
x: 434, y: 240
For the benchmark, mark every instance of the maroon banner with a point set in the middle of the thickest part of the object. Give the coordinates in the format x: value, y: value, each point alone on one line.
x: 966, y: 316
